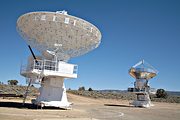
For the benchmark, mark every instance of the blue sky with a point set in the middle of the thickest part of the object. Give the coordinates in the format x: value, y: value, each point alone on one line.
x: 131, y: 30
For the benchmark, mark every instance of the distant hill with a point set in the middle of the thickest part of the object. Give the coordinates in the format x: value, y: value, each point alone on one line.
x: 173, y: 97
x: 177, y: 93
x: 112, y: 91
x: 173, y: 93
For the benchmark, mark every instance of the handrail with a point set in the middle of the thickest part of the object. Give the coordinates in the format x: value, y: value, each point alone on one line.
x: 45, y: 65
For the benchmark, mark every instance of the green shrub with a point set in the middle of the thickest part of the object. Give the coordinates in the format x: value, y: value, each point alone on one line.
x: 81, y: 88
x: 90, y: 89
x: 161, y: 93
x: 12, y: 82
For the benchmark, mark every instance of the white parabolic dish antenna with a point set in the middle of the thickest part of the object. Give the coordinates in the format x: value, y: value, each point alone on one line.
x: 67, y: 35
x: 58, y: 36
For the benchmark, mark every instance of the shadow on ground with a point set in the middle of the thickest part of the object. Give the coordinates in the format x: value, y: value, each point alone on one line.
x: 25, y: 106
x: 117, y: 105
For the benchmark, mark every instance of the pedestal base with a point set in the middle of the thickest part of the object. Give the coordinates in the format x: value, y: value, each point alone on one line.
x: 58, y: 104
x: 52, y: 93
x: 142, y: 100
x: 145, y: 104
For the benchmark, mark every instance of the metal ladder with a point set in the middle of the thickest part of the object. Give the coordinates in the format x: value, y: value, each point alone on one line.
x: 27, y: 91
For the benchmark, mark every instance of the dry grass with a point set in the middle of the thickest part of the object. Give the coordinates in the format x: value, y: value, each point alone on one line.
x: 19, y: 90
x: 16, y: 89
x: 123, y: 96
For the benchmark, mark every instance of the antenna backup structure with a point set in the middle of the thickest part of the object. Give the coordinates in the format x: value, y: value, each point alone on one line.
x: 58, y: 36
x: 142, y: 72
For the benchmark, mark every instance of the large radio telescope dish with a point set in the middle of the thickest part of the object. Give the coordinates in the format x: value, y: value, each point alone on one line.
x: 58, y: 36
x: 65, y: 35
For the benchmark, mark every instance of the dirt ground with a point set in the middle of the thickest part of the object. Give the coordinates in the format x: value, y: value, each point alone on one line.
x: 91, y: 109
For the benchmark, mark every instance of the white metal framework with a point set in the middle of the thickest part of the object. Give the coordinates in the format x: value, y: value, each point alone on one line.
x: 43, y: 68
x: 58, y: 36
x: 142, y: 72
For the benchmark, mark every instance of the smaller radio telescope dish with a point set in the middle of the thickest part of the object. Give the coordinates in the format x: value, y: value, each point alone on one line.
x: 142, y: 72
x: 59, y: 37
